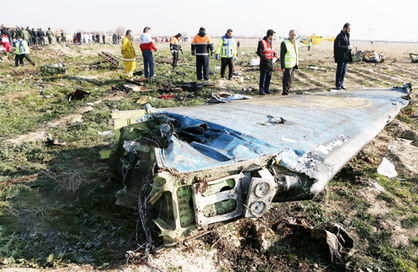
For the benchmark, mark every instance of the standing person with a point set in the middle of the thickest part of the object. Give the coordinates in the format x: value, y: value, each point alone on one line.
x: 342, y: 55
x: 97, y: 38
x: 227, y: 50
x: 5, y: 41
x: 104, y: 38
x: 309, y: 44
x: 25, y: 34
x: 175, y: 48
x: 266, y: 53
x: 22, y: 51
x: 289, y: 58
x: 49, y: 35
x: 57, y: 36
x: 146, y: 45
x: 42, y: 33
x: 79, y: 37
x: 128, y: 53
x: 33, y: 35
x: 201, y: 45
x: 63, y: 37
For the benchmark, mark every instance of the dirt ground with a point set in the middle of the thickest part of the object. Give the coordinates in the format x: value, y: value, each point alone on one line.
x: 45, y: 227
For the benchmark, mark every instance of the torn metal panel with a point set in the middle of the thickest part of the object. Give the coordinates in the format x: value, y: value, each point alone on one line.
x: 219, y: 162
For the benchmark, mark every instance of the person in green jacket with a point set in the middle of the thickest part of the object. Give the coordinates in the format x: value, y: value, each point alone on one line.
x: 22, y: 52
x: 25, y: 35
x: 50, y: 35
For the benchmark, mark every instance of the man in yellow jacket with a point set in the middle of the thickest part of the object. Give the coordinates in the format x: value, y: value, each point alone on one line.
x: 128, y: 53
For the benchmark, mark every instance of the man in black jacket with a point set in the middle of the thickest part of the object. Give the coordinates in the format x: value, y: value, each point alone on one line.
x: 342, y: 55
x: 266, y: 53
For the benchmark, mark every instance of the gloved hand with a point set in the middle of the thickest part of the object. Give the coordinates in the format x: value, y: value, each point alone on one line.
x: 349, y: 47
x: 172, y: 51
x: 182, y: 52
x: 217, y: 56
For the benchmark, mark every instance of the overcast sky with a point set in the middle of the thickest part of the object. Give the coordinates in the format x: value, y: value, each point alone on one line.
x: 370, y: 19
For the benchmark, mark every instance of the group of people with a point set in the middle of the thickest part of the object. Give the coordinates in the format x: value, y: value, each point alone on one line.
x: 32, y: 36
x: 202, y: 47
x: 86, y: 38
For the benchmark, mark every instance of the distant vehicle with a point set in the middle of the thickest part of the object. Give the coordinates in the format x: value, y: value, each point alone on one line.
x: 315, y: 39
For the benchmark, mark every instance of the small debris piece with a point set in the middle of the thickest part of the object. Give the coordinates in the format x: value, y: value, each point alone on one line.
x: 166, y: 96
x: 387, y: 169
x: 52, y: 141
x: 414, y: 57
x: 77, y: 95
x: 170, y: 88
x: 316, y: 68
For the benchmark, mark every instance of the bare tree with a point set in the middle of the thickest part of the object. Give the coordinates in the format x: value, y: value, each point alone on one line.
x: 120, y: 30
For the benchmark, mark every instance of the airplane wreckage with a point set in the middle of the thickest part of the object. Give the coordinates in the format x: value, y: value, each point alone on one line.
x: 187, y: 168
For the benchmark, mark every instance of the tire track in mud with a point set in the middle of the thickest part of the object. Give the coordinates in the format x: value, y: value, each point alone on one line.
x: 360, y: 81
x: 368, y: 77
x: 309, y: 78
x: 393, y: 79
x: 410, y: 72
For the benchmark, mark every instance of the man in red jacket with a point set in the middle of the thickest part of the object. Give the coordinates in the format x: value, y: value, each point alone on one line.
x: 146, y: 45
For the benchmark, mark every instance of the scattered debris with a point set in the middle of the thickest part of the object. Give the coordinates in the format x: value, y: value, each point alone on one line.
x: 330, y: 236
x: 373, y: 57
x: 222, y: 97
x: 53, y: 141
x: 414, y: 57
x: 170, y: 88
x: 254, y: 62
x: 137, y: 81
x: 194, y: 86
x: 166, y: 96
x: 315, y: 68
x: 114, y: 61
x: 77, y: 95
x: 53, y: 69
x: 387, y: 169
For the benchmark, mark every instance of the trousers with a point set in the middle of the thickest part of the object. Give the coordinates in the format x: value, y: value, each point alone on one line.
x: 227, y: 62
x: 202, y: 62
x: 288, y: 76
x: 175, y: 58
x: 340, y: 75
x: 148, y: 63
x: 265, y: 78
x: 129, y: 69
